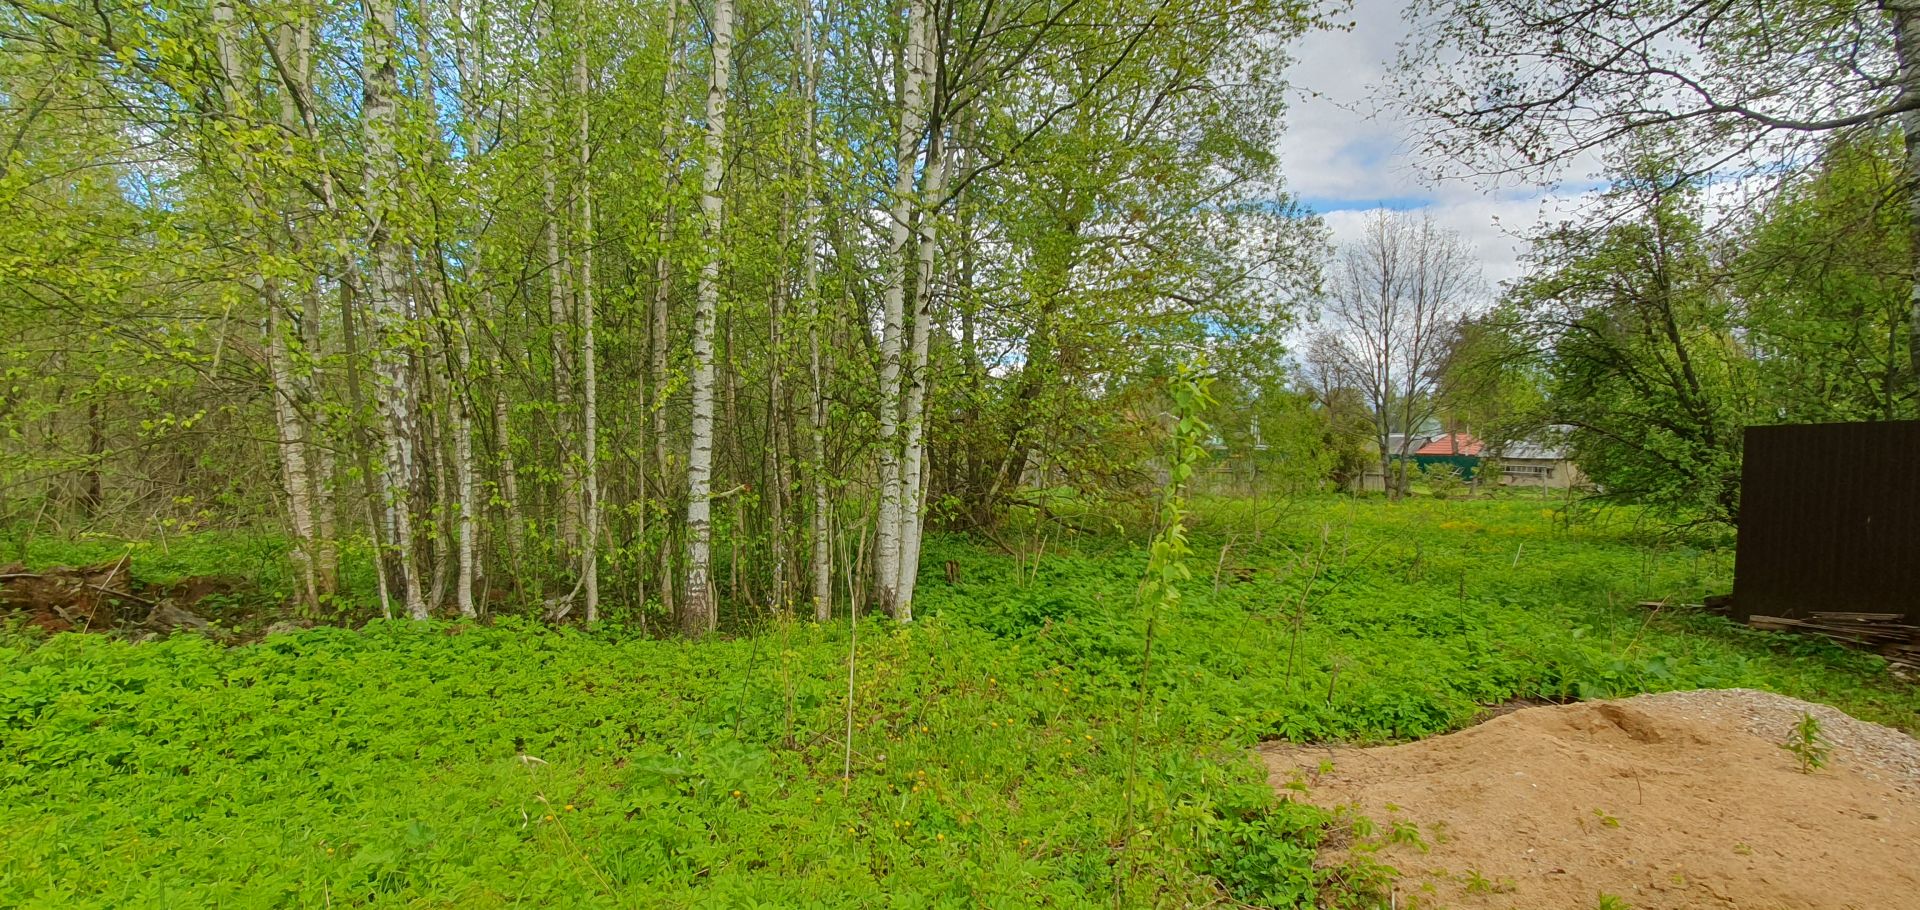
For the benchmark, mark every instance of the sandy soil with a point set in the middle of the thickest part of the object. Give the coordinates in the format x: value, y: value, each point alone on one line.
x: 1666, y: 802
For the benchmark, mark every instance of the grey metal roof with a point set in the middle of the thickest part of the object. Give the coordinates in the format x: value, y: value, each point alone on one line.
x: 1533, y: 451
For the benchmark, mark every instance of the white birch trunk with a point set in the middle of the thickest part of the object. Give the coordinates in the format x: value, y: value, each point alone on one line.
x: 440, y: 388
x: 821, y: 555
x: 291, y: 437
x: 662, y: 293
x: 289, y: 434
x: 590, y: 417
x: 463, y: 400
x: 297, y: 43
x: 698, y: 616
x: 387, y: 292
x: 509, y: 473
x: 914, y: 465
x: 560, y: 341
x: 907, y: 151
x: 469, y: 505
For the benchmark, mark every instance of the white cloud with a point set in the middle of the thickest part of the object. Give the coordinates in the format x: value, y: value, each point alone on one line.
x: 1346, y: 154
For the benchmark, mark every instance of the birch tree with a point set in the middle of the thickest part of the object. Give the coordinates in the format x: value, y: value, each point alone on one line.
x: 912, y: 123
x: 697, y: 615
x: 590, y: 392
x: 258, y: 199
x: 387, y: 291
x: 820, y: 553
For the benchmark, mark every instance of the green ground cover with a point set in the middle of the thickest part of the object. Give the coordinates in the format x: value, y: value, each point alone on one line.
x: 446, y: 765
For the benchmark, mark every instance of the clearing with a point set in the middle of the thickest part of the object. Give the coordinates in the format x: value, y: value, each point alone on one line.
x: 508, y: 763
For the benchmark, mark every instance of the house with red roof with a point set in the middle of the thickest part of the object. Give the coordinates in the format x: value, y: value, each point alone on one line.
x: 1452, y: 444
x: 1461, y: 451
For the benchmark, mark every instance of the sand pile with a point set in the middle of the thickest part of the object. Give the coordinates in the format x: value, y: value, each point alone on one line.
x: 1663, y: 802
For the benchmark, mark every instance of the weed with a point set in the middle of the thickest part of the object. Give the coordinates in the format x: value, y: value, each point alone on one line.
x: 1611, y: 902
x: 1807, y: 744
x: 1406, y: 833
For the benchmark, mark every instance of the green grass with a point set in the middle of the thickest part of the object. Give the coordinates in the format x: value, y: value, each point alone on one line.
x: 462, y: 766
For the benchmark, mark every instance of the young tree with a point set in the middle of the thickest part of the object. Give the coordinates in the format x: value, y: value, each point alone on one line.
x: 888, y: 560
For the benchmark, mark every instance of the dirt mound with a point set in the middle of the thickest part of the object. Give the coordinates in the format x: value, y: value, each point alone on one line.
x: 1664, y: 802
x: 105, y: 597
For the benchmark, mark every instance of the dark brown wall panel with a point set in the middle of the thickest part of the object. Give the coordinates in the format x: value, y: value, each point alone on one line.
x: 1830, y: 520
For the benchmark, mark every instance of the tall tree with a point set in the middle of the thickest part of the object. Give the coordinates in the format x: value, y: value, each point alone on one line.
x: 388, y: 290
x: 1394, y: 300
x: 911, y: 109
x: 697, y: 615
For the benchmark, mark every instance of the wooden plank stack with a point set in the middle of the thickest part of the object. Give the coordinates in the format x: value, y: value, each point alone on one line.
x: 1886, y: 633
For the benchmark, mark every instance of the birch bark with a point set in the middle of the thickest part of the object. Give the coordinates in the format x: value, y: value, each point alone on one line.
x: 387, y: 291
x: 290, y: 436
x: 698, y: 616
x: 900, y: 212
x: 662, y: 296
x: 590, y: 417
x: 821, y: 554
x: 914, y: 465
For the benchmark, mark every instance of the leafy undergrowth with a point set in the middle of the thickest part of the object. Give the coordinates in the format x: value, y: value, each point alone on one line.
x: 444, y: 765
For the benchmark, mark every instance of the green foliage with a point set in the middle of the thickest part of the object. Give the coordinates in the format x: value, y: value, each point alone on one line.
x: 1647, y: 372
x: 464, y: 765
x: 1660, y: 334
x: 1824, y: 277
x: 1443, y: 480
x: 1806, y: 743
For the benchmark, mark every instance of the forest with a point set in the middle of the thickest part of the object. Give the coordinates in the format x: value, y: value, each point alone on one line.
x: 918, y: 453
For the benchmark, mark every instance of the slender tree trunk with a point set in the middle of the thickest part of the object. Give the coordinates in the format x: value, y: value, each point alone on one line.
x: 561, y: 320
x: 297, y: 48
x: 440, y: 375
x: 698, y: 616
x: 290, y: 436
x: 477, y: 278
x: 662, y: 295
x: 387, y: 291
x: 296, y: 45
x: 464, y: 473
x: 821, y: 553
x: 914, y: 465
x: 774, y: 462
x: 432, y: 379
x: 907, y: 152
x: 590, y: 418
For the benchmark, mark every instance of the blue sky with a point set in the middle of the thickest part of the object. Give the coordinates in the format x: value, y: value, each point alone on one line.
x: 1344, y: 155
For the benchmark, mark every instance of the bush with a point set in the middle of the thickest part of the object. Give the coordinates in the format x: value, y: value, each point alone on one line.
x: 1443, y: 480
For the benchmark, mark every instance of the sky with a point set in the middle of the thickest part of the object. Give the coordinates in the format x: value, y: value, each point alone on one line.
x: 1344, y: 155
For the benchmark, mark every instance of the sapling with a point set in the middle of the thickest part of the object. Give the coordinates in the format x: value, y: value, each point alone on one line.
x: 1166, y: 561
x: 1806, y: 743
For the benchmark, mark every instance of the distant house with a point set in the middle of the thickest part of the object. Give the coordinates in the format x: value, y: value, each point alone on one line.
x: 1458, y: 450
x: 1537, y: 464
